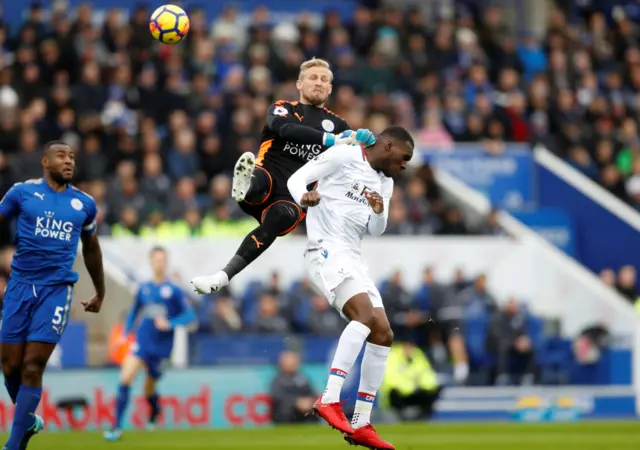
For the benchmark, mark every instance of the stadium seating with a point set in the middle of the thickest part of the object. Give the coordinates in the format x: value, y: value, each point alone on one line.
x: 477, y: 84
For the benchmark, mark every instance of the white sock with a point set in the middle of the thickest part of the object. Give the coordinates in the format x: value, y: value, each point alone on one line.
x: 222, y: 275
x: 349, y: 347
x: 374, y: 364
x: 460, y: 372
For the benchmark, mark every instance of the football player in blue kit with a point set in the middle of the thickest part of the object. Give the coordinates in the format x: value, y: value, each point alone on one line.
x: 162, y: 306
x: 52, y: 216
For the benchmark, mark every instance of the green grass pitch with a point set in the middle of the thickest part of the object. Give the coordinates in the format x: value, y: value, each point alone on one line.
x: 582, y: 436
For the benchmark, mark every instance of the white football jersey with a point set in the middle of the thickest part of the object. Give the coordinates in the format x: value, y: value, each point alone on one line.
x: 343, y: 215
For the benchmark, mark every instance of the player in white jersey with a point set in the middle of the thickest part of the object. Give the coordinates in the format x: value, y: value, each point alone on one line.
x: 351, y: 199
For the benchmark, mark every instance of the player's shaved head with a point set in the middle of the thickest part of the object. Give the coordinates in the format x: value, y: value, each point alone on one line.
x: 392, y: 151
x: 58, y: 162
x: 400, y: 134
x: 55, y: 145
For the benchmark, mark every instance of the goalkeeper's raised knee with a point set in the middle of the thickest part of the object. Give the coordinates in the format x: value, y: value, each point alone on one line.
x: 278, y: 219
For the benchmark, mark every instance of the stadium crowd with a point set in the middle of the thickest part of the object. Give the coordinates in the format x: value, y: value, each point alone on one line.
x: 158, y: 128
x: 458, y: 323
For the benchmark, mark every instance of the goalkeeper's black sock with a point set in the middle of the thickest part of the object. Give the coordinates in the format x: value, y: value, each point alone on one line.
x: 279, y: 218
x: 251, y: 248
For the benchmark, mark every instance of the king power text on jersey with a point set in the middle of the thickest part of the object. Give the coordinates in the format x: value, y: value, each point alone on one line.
x: 50, y: 228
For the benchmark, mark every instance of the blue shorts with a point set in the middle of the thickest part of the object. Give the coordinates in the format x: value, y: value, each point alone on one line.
x: 34, y: 313
x: 153, y: 363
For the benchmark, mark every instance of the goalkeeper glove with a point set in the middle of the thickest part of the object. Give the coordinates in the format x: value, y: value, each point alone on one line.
x: 366, y: 137
x: 346, y: 137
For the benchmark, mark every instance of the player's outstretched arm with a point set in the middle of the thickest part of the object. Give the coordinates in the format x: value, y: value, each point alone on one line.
x: 10, y: 203
x: 93, y: 262
x: 282, y: 119
x: 132, y: 315
x: 316, y: 169
x: 378, y: 220
x: 187, y: 315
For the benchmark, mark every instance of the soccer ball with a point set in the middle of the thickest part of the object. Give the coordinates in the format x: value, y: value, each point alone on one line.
x: 169, y: 24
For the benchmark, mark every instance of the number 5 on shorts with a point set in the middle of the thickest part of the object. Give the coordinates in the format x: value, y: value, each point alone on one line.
x: 57, y: 315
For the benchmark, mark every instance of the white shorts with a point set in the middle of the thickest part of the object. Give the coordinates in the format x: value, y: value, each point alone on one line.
x: 339, y: 276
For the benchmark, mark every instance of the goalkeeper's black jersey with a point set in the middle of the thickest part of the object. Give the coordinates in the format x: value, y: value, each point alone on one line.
x: 285, y: 145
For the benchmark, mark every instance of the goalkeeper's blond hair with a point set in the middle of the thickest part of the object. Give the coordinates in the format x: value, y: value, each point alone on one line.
x: 314, y: 62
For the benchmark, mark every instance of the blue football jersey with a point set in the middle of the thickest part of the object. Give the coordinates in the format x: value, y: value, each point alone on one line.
x: 158, y: 300
x: 48, y: 229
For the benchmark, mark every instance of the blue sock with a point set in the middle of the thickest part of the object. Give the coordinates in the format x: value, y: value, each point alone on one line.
x: 154, y: 407
x: 13, y: 386
x: 121, y: 405
x: 26, y: 404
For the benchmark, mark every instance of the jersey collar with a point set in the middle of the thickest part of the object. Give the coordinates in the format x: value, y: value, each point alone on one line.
x: 48, y: 187
x: 364, y: 154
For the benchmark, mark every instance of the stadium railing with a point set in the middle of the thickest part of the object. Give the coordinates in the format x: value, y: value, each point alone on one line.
x: 609, y: 229
x: 602, y: 304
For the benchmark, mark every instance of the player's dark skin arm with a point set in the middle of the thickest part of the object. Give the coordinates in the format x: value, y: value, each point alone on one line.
x: 93, y: 262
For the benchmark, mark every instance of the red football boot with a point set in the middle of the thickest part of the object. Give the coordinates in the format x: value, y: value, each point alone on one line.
x: 368, y: 437
x: 333, y: 415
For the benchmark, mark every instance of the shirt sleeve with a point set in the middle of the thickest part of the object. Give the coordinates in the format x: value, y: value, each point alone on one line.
x: 90, y: 224
x: 10, y: 203
x: 343, y: 126
x: 325, y: 164
x: 378, y: 222
x: 133, y: 313
x: 282, y: 119
x: 187, y: 314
